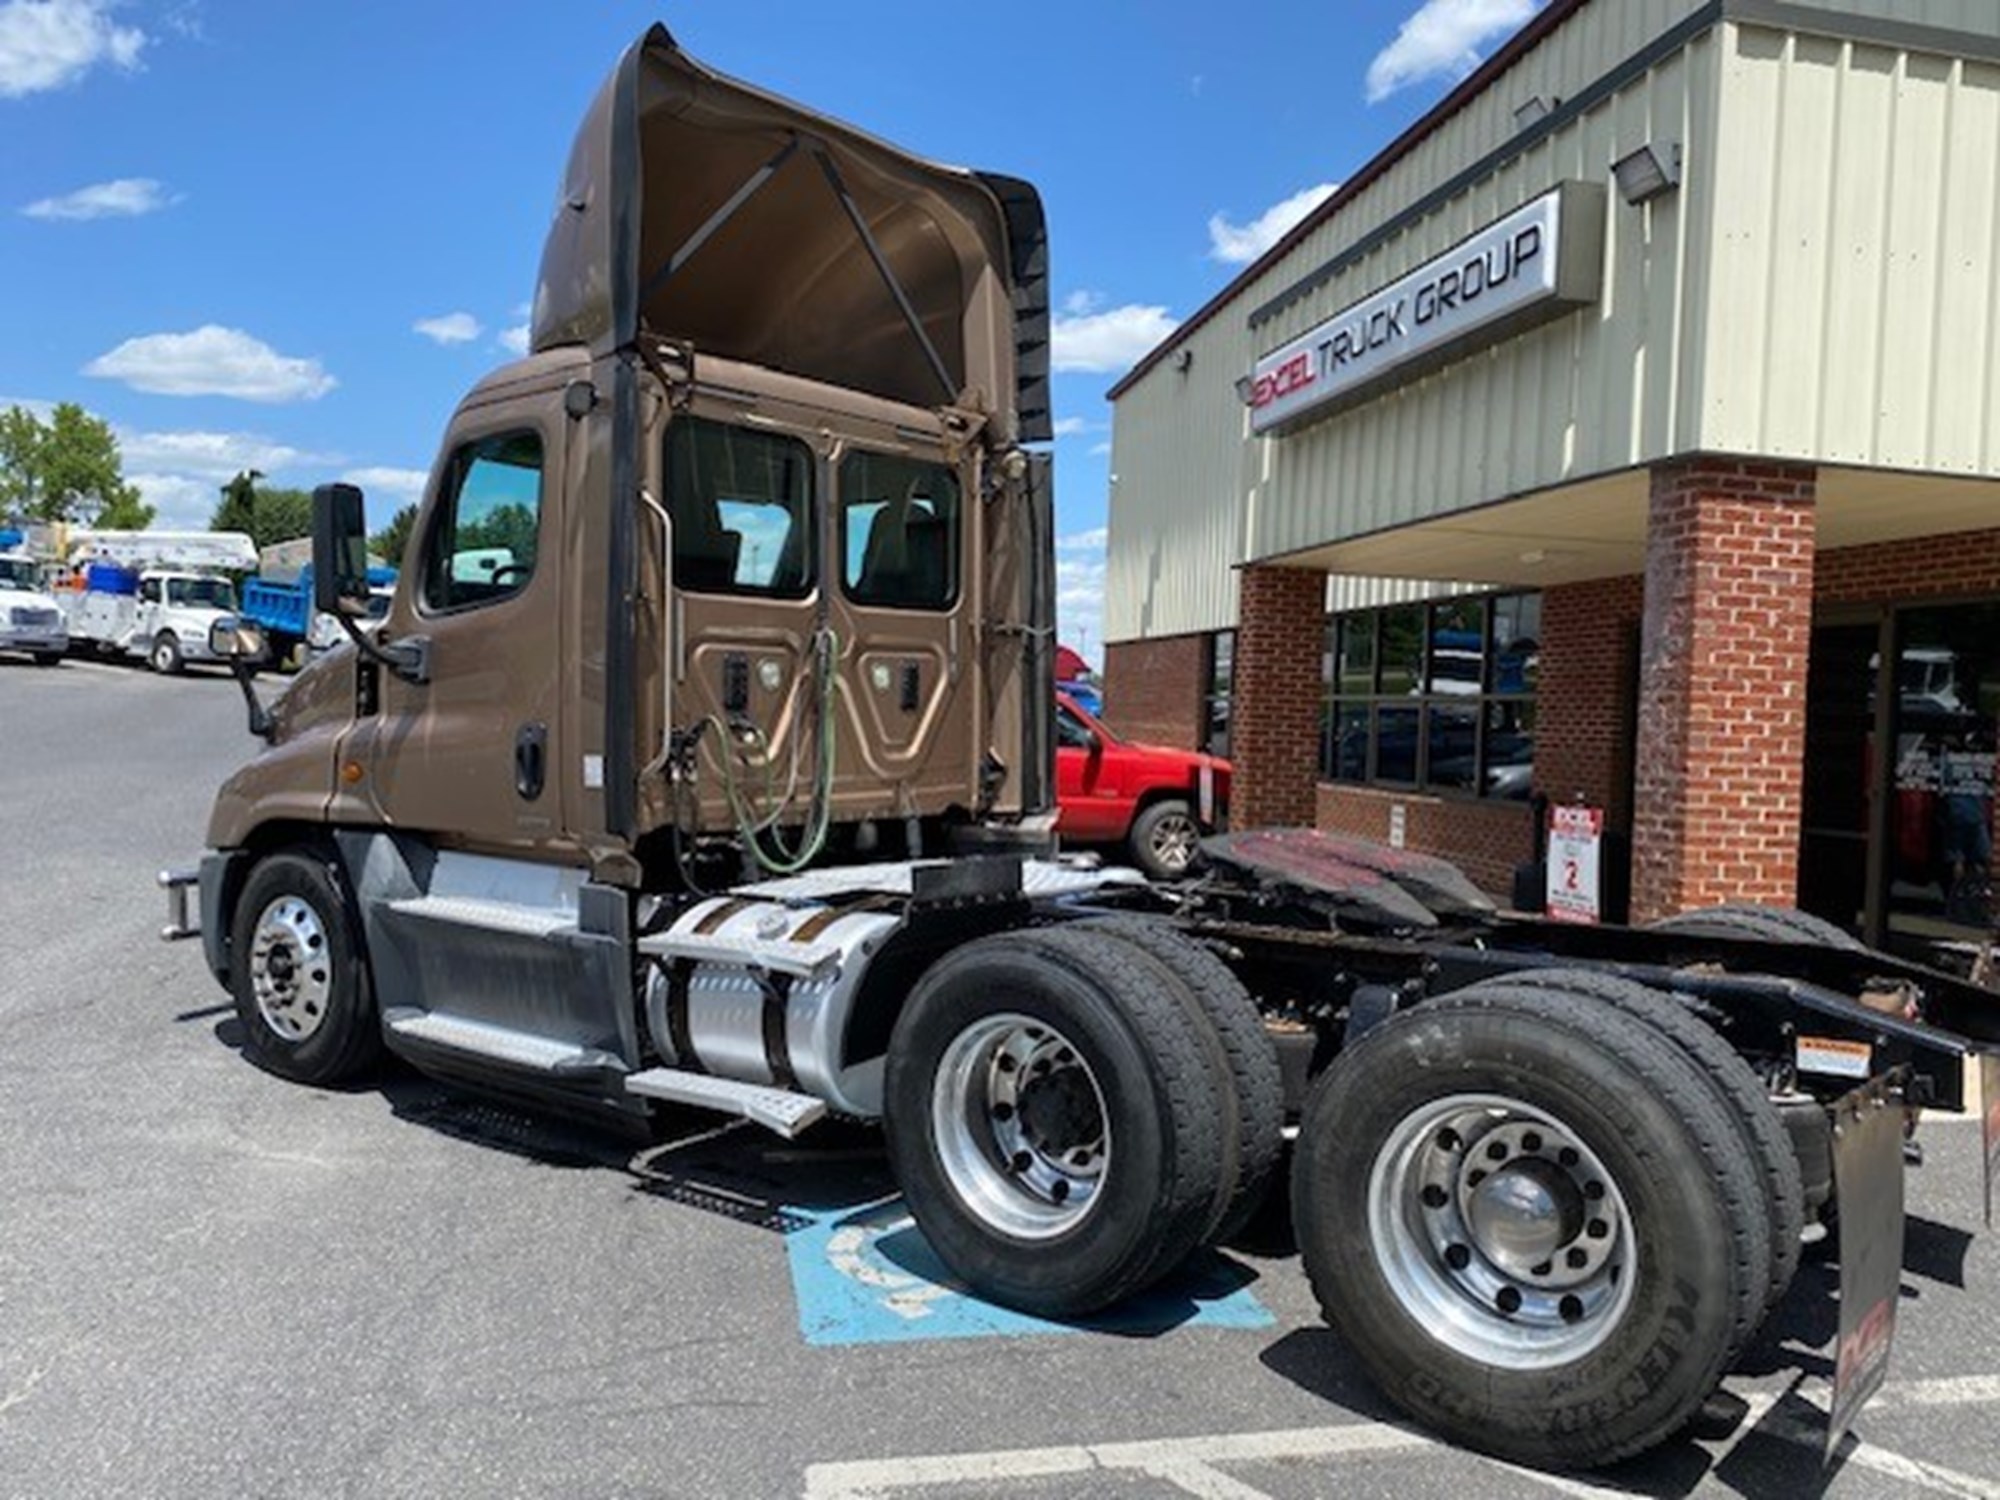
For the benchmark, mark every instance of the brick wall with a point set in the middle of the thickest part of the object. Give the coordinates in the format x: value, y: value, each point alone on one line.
x: 1153, y: 689
x: 1583, y: 701
x: 1728, y: 623
x: 1485, y: 839
x: 1933, y: 567
x: 1274, y: 721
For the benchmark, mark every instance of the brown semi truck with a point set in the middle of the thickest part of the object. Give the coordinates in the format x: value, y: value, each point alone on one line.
x: 704, y: 757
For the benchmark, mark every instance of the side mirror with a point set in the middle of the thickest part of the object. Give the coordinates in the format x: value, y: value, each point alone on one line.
x: 235, y: 640
x: 340, y: 552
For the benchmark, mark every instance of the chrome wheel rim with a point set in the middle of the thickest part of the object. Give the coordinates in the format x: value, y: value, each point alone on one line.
x: 1501, y: 1232
x: 291, y: 971
x: 1021, y: 1129
x: 1173, y: 842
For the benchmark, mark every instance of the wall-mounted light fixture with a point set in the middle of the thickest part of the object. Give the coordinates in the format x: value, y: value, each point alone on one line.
x: 1646, y: 173
x: 1184, y: 360
x: 1533, y: 110
x: 1243, y: 389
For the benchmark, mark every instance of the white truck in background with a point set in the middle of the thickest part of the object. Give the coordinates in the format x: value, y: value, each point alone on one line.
x: 30, y: 620
x: 154, y: 594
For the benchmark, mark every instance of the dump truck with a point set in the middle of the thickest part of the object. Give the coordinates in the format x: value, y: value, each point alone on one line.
x: 732, y: 788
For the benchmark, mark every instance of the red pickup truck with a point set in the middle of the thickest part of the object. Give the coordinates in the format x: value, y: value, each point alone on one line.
x: 1156, y: 803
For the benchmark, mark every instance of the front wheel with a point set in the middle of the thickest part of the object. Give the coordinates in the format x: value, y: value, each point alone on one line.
x: 1054, y: 1120
x: 165, y: 657
x: 298, y: 972
x: 1166, y: 840
x: 48, y: 658
x: 1513, y: 1208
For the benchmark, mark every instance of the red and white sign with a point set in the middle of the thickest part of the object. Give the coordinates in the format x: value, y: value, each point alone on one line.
x: 1576, y: 840
x: 1539, y: 262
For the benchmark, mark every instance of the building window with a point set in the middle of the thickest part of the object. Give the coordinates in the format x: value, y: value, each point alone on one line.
x: 1434, y: 697
x: 1219, y: 684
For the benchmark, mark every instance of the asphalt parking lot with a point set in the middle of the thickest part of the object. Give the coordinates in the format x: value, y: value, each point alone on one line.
x: 213, y: 1282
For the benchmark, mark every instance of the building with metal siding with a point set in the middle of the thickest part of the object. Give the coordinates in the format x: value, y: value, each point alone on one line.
x: 1789, y: 355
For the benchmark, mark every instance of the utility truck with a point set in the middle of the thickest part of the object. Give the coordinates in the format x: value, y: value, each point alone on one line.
x: 30, y: 620
x: 732, y: 788
x: 154, y: 594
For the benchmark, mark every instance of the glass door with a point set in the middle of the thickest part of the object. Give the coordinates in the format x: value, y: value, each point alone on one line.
x: 1841, y: 771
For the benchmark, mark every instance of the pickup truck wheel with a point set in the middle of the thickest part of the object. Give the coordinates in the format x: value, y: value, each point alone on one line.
x: 1166, y: 840
x: 1766, y: 1145
x: 1250, y: 1058
x: 298, y: 974
x: 165, y: 657
x: 1053, y: 1120
x: 1764, y: 924
x: 1513, y: 1206
x: 48, y: 658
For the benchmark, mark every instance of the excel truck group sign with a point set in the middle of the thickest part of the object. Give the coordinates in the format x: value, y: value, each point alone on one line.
x: 1541, y: 261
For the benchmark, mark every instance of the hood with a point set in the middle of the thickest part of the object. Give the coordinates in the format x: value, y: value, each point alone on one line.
x: 698, y: 209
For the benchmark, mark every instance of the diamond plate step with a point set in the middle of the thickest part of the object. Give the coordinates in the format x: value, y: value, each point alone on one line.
x: 806, y: 960
x: 491, y: 916
x: 523, y: 1049
x: 775, y: 1109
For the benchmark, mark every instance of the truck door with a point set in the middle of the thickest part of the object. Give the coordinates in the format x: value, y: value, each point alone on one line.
x: 470, y: 754
x: 901, y: 603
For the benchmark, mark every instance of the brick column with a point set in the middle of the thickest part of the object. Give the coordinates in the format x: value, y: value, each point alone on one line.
x: 1722, y: 683
x: 1274, y: 718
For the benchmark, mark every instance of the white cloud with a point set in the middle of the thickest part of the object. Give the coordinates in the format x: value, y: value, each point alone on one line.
x: 214, y: 455
x: 1070, y: 427
x: 1443, y: 39
x: 398, y: 485
x: 42, y: 410
x: 45, y: 44
x: 122, y: 198
x: 1099, y: 343
x: 1080, y: 593
x: 212, y: 361
x: 1100, y: 450
x: 1239, y: 244
x: 182, y: 503
x: 515, y: 340
x: 450, y: 328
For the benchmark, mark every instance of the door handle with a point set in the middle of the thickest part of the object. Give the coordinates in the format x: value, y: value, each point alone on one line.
x: 531, y: 755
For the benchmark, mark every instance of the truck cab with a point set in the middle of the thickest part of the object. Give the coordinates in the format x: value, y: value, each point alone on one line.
x: 30, y: 620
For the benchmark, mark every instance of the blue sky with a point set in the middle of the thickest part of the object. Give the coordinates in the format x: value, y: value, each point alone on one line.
x: 288, y: 236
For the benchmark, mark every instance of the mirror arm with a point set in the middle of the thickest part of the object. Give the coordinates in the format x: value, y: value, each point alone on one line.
x: 409, y: 660
x: 261, y: 723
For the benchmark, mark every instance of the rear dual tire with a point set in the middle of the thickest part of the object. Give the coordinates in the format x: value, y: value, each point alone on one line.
x: 1526, y: 1213
x: 1072, y: 1111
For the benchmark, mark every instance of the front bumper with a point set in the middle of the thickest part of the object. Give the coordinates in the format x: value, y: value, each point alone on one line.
x: 218, y: 875
x: 26, y: 638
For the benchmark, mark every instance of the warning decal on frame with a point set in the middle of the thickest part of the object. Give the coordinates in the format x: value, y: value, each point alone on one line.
x: 1576, y: 839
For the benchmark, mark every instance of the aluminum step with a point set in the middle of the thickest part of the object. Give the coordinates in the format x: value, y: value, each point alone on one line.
x: 521, y: 1049
x: 806, y: 960
x: 488, y: 915
x: 775, y: 1109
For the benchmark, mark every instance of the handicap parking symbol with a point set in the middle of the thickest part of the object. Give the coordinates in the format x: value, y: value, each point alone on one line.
x: 866, y: 1276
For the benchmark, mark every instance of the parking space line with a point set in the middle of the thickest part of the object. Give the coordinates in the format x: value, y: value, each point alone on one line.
x: 1191, y: 1463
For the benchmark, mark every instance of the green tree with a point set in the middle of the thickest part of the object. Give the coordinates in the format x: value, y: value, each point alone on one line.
x: 67, y: 469
x: 269, y: 516
x: 390, y: 542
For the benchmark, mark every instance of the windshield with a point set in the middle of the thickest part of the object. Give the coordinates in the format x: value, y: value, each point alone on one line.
x: 201, y: 593
x: 17, y: 572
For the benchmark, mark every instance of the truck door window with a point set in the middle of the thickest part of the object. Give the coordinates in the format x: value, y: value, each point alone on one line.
x: 742, y: 508
x: 899, y: 527
x: 149, y: 591
x: 201, y: 593
x: 1070, y: 731
x: 481, y: 544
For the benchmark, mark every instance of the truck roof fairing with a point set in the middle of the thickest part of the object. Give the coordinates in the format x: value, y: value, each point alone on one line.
x: 698, y: 208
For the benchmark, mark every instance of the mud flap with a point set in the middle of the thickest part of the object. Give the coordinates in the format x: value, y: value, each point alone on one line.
x: 1868, y: 1183
x: 1989, y: 1106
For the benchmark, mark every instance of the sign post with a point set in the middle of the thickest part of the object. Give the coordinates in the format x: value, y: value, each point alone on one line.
x: 1575, y: 879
